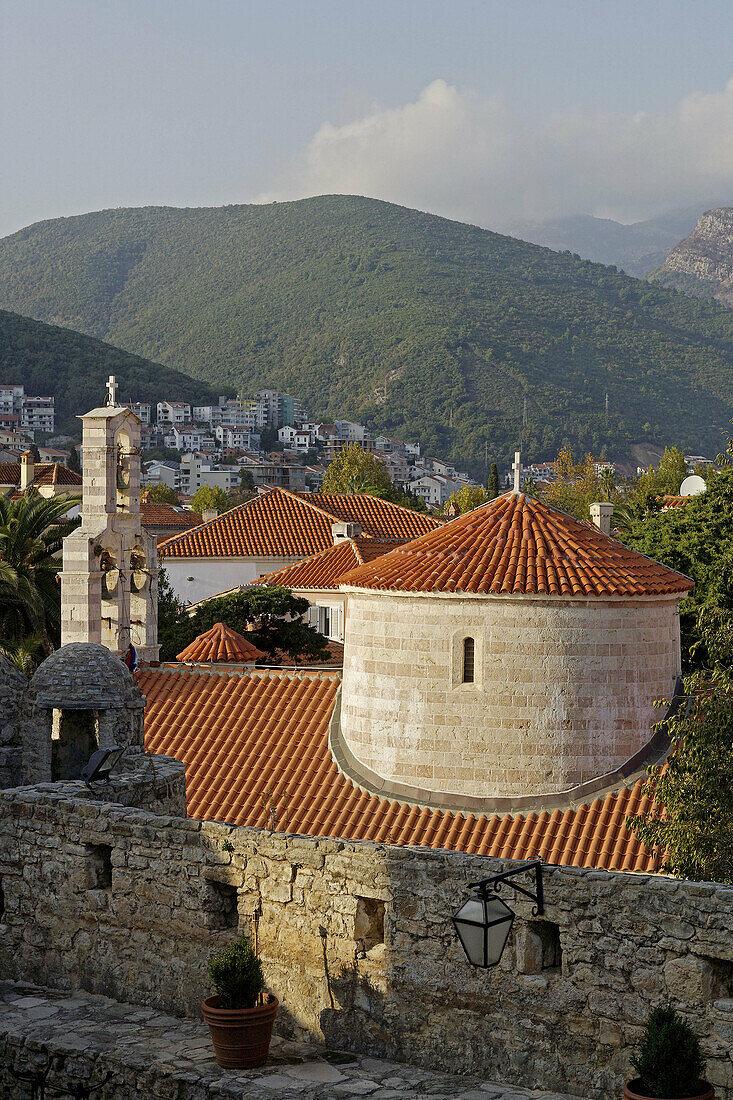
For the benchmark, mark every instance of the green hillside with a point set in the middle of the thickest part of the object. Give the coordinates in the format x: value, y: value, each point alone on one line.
x: 74, y: 369
x: 337, y: 298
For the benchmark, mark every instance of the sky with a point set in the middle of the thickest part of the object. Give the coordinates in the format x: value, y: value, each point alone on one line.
x: 489, y: 111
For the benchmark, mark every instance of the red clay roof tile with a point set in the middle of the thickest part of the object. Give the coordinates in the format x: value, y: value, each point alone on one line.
x: 518, y: 545
x: 326, y: 569
x: 281, y: 523
x: 221, y: 643
x: 242, y: 734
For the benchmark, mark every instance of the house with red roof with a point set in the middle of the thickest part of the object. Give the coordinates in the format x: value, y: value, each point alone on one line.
x: 276, y: 529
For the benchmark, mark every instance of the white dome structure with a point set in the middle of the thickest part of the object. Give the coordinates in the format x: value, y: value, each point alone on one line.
x: 514, y: 652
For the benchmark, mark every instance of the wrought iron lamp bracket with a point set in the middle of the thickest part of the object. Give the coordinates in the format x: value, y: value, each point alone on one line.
x: 497, y: 882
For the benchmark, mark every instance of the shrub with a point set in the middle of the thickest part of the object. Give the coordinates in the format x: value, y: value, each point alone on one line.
x: 236, y: 973
x: 669, y: 1062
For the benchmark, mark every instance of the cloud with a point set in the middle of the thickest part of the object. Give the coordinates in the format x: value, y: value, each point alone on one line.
x: 465, y: 155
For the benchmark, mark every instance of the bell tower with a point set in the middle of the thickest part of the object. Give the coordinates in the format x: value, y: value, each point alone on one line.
x: 109, y: 583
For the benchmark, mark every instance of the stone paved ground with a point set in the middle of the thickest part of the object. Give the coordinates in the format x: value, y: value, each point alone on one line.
x: 86, y: 1038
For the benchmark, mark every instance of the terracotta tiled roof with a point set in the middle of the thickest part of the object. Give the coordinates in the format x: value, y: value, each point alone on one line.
x: 669, y: 501
x: 516, y: 544
x: 167, y: 515
x: 326, y: 569
x: 221, y: 643
x: 284, y: 524
x: 242, y: 734
x: 45, y: 473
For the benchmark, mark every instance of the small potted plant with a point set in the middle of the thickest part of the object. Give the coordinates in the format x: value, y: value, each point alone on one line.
x: 240, y: 1018
x: 669, y: 1062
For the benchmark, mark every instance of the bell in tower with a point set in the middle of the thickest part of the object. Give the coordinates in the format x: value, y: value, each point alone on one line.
x: 109, y: 583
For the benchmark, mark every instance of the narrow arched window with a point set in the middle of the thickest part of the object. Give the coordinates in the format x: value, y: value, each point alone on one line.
x: 468, y: 660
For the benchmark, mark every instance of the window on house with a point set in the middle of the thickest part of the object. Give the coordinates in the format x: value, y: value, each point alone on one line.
x: 469, y: 662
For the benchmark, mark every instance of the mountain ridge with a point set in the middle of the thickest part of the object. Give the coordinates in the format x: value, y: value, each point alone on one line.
x: 342, y: 300
x: 73, y: 368
x: 702, y: 263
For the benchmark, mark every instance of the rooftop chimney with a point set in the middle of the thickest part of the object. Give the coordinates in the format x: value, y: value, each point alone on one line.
x: 209, y: 513
x: 27, y: 470
x: 342, y: 529
x: 601, y: 514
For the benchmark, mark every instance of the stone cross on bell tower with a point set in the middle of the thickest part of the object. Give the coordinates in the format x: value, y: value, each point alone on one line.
x: 111, y: 401
x: 109, y: 583
x: 517, y: 468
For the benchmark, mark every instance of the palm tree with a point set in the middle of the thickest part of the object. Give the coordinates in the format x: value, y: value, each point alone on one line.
x: 32, y: 530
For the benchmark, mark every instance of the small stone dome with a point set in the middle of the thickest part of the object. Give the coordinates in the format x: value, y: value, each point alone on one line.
x: 85, y: 676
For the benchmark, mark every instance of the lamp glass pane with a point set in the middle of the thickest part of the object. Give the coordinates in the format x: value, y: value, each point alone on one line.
x: 472, y: 934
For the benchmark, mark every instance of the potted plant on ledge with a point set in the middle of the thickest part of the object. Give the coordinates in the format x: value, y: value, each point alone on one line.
x: 240, y: 1018
x: 669, y: 1063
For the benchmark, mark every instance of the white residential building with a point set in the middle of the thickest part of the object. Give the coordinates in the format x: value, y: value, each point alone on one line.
x: 142, y: 410
x: 29, y: 414
x: 435, y: 489
x: 237, y: 437
x: 189, y: 438
x: 173, y: 414
x: 162, y: 473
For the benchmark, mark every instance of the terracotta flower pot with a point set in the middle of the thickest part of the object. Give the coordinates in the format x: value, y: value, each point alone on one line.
x: 241, y: 1036
x: 631, y: 1092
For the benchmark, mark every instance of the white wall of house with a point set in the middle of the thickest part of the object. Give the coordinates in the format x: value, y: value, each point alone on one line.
x: 327, y: 612
x: 194, y: 579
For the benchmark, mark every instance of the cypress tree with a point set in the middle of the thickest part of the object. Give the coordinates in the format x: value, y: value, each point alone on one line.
x: 493, y: 484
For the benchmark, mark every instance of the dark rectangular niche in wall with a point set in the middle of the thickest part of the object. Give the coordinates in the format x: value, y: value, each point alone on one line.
x: 76, y: 736
x: 549, y: 936
x: 369, y: 922
x: 220, y: 905
x: 98, y: 866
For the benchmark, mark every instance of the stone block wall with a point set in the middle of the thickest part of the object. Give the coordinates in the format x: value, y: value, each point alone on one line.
x: 564, y: 689
x: 357, y: 943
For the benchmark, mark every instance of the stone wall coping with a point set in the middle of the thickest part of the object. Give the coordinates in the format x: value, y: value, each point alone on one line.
x: 69, y: 798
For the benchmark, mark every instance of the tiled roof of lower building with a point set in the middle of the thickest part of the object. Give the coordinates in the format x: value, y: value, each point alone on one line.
x: 326, y: 569
x: 284, y: 524
x: 247, y: 736
x: 45, y: 473
x: 168, y: 515
x: 221, y: 643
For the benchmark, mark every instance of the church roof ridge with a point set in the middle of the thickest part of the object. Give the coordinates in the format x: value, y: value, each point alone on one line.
x: 518, y: 545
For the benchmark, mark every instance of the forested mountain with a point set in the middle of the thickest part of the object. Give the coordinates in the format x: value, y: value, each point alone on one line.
x: 74, y: 369
x: 427, y: 328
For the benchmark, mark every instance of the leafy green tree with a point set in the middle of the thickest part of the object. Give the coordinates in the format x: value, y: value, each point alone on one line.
x: 691, y: 826
x: 35, y: 452
x: 577, y: 485
x: 465, y: 500
x: 74, y: 463
x: 246, y: 480
x: 270, y: 616
x: 210, y: 497
x: 662, y: 480
x: 32, y: 529
x: 695, y: 539
x: 162, y: 494
x: 493, y: 483
x: 357, y: 471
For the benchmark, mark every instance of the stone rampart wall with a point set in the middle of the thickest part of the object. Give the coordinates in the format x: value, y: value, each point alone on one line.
x: 564, y: 690
x: 357, y: 942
